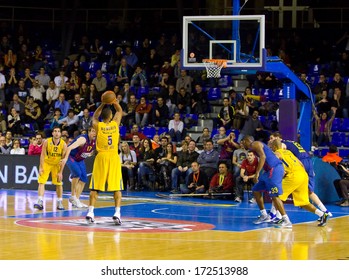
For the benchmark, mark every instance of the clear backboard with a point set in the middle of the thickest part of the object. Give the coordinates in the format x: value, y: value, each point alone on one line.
x: 237, y: 39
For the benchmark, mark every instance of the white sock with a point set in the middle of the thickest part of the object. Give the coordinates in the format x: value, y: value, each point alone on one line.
x: 319, y: 212
x: 90, y: 209
x: 40, y: 198
x: 273, y: 210
x: 117, y: 212
x: 322, y: 207
x: 286, y: 218
x: 263, y: 212
x: 278, y: 215
x: 59, y: 199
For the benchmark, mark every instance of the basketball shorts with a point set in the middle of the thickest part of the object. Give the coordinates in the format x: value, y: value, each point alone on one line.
x: 52, y: 169
x: 106, y: 174
x: 77, y: 169
x: 270, y: 181
x: 297, y: 185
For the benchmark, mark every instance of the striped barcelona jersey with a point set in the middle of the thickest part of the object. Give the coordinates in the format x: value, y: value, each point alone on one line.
x: 54, y: 153
x: 291, y: 164
x: 85, y: 151
x: 107, y: 137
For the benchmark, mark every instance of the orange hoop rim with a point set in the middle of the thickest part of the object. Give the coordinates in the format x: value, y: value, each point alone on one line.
x: 219, y: 62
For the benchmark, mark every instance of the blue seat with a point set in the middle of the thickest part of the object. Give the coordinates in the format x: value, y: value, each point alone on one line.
x: 29, y: 130
x: 225, y: 81
x: 149, y: 131
x: 142, y: 91
x: 345, y: 125
x: 316, y: 153
x: 314, y: 69
x: 84, y: 65
x: 336, y: 124
x: 94, y: 66
x: 338, y: 139
x: 214, y: 94
x: 214, y: 132
x: 323, y: 151
x: 47, y: 126
x: 346, y: 141
x: 122, y: 130
x: 191, y: 119
x: 162, y: 130
x: 24, y: 142
x: 343, y: 152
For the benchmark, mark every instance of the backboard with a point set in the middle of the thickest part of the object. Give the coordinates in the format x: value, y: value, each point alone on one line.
x: 238, y: 39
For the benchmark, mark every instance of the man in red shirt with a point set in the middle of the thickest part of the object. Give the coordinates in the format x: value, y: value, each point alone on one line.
x: 135, y: 131
x: 247, y: 173
x: 223, y: 181
x: 35, y: 146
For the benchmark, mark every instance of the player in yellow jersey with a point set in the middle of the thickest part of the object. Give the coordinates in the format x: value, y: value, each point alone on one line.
x: 106, y: 173
x: 52, y: 153
x: 295, y: 181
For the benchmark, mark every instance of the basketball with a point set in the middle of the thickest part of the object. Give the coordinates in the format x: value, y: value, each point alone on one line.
x: 108, y: 97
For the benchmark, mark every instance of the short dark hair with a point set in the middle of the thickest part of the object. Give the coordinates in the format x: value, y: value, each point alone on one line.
x: 332, y: 149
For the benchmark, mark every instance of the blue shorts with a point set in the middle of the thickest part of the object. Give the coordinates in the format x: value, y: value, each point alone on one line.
x: 77, y: 169
x: 270, y: 181
x: 309, y: 168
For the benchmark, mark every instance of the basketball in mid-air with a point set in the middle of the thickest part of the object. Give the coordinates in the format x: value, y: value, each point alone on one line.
x: 108, y: 97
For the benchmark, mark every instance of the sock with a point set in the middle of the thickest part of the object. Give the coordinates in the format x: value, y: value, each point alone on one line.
x: 73, y: 197
x: 322, y: 207
x: 278, y: 215
x: 263, y: 212
x: 59, y: 199
x: 286, y: 218
x: 319, y: 212
x: 117, y: 212
x: 40, y: 198
x: 90, y: 209
x: 273, y: 210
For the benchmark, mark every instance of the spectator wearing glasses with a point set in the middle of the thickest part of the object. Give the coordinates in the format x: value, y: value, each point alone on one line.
x: 4, y: 149
x: 16, y: 149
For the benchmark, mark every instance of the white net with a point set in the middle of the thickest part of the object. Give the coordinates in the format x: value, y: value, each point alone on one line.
x: 214, y: 67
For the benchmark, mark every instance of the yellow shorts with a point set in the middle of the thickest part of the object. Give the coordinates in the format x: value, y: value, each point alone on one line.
x: 53, y: 169
x: 106, y: 173
x: 298, y: 187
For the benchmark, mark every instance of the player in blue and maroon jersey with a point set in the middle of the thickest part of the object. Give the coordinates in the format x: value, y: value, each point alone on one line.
x: 82, y: 147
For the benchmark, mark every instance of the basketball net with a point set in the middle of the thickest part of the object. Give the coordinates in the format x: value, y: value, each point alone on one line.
x: 214, y: 67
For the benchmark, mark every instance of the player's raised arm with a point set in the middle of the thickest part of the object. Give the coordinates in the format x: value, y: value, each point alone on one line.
x: 118, y: 115
x: 96, y: 115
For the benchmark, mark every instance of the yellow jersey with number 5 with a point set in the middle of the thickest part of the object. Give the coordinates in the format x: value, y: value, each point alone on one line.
x: 107, y: 139
x: 54, y: 153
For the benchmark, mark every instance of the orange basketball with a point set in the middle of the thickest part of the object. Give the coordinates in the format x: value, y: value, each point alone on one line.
x: 108, y: 97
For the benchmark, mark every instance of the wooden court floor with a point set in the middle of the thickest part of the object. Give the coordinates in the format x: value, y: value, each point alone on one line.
x: 163, y: 229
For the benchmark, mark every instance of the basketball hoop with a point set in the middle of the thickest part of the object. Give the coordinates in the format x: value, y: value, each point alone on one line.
x: 214, y: 67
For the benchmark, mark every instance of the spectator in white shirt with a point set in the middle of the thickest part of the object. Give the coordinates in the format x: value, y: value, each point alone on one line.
x: 43, y: 78
x: 61, y: 79
x: 16, y: 149
x: 37, y: 91
x: 175, y: 128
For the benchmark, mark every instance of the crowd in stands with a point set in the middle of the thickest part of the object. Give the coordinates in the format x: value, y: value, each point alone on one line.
x: 161, y: 102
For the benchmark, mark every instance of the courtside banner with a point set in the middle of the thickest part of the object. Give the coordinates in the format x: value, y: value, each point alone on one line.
x: 22, y: 172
